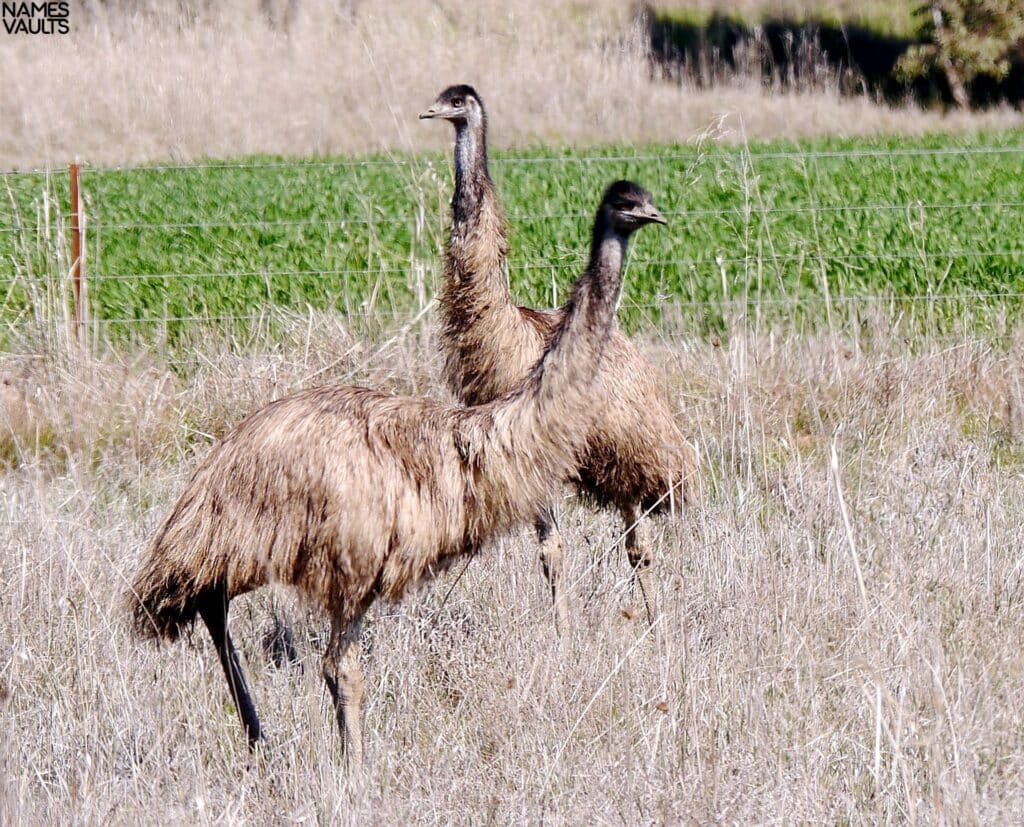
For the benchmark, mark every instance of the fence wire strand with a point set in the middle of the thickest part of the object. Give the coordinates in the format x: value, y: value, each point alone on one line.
x: 513, y: 160
x: 98, y: 225
x: 772, y: 255
x: 575, y: 261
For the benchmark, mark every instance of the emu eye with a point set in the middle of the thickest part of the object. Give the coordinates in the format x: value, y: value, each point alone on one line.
x: 457, y: 101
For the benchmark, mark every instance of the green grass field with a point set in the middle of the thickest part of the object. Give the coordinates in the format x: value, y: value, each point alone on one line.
x: 896, y: 19
x: 897, y: 217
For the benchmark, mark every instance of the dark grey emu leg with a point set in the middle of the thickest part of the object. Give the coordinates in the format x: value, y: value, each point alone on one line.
x: 638, y: 551
x: 215, y: 615
x: 551, y: 554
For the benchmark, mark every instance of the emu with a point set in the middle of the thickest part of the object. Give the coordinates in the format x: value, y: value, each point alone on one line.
x: 349, y: 494
x: 635, y: 458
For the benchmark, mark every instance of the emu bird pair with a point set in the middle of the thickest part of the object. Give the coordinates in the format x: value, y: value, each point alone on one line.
x: 350, y: 494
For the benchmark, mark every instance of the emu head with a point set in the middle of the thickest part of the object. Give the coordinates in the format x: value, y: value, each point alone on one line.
x: 629, y: 207
x: 458, y: 104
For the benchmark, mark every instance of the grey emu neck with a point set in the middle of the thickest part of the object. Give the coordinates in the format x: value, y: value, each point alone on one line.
x: 472, y: 176
x: 567, y: 370
x: 607, y: 255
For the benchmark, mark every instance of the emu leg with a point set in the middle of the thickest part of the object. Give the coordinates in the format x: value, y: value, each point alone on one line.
x: 215, y: 615
x: 639, y: 554
x: 551, y: 554
x: 344, y: 678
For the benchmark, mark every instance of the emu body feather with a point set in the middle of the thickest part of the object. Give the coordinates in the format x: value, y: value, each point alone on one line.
x: 349, y: 494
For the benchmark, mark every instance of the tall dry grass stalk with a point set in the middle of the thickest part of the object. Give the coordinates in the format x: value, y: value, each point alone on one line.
x: 839, y: 638
x: 140, y: 81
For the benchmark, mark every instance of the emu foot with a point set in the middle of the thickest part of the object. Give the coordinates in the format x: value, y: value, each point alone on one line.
x: 643, y: 581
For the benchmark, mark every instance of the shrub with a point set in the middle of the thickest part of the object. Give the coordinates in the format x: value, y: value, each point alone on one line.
x: 966, y: 38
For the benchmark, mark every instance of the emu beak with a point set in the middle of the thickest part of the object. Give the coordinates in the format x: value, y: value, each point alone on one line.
x: 432, y: 112
x: 653, y: 215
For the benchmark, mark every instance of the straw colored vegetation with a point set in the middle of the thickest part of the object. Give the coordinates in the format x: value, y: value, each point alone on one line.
x: 139, y: 81
x: 838, y: 624
x: 838, y: 635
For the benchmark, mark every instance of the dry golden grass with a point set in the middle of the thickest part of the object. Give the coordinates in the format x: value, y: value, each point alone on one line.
x: 834, y: 643
x: 126, y: 88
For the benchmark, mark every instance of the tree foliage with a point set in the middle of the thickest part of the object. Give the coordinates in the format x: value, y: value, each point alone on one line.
x: 967, y: 38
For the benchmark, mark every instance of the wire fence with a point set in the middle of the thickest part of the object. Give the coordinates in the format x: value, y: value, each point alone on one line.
x: 527, y: 218
x: 171, y: 249
x: 573, y: 158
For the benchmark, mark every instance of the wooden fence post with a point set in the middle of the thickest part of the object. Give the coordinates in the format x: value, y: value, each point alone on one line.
x: 77, y: 270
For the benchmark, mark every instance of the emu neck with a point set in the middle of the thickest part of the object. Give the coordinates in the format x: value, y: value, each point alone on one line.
x: 607, y: 254
x: 479, y: 321
x: 568, y: 369
x: 557, y: 407
x: 472, y: 177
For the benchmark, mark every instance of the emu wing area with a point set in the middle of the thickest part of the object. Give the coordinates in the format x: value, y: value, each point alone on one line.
x: 636, y: 452
x: 339, y: 492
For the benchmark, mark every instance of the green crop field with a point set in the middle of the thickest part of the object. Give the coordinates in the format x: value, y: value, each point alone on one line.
x: 836, y: 218
x: 887, y: 18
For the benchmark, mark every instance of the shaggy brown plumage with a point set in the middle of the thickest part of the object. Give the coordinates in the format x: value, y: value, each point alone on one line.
x: 350, y: 494
x: 635, y: 458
